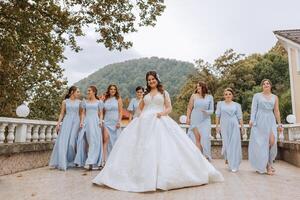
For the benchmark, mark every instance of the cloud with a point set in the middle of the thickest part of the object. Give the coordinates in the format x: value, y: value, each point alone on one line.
x: 93, y: 57
x: 193, y: 29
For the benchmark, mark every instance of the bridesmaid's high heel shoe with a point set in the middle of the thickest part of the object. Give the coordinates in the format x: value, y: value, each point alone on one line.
x: 88, y: 167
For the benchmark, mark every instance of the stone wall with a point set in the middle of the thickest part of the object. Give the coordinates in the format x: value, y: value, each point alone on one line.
x: 216, y: 149
x: 18, y: 157
x: 289, y: 151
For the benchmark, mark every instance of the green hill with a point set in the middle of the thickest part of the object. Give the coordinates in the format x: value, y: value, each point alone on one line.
x: 129, y: 74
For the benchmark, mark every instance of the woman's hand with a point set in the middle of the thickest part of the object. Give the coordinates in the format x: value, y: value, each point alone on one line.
x: 100, y: 124
x: 57, y: 128
x: 81, y: 125
x: 118, y: 125
x: 159, y: 115
x: 280, y: 128
x: 217, y: 129
x: 204, y: 111
x: 188, y: 121
x: 250, y: 124
x: 242, y: 131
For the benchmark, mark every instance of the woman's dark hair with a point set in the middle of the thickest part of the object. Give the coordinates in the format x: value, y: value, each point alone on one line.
x: 139, y: 88
x: 71, y: 91
x: 160, y: 87
x: 264, y: 80
x: 107, y: 94
x: 204, y: 88
x: 94, y: 89
x: 229, y: 90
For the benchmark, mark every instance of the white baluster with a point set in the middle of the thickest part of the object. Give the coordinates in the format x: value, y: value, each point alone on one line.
x: 245, y: 135
x: 42, y: 134
x: 2, y: 130
x: 297, y: 133
x: 21, y: 133
x: 48, y: 133
x: 35, y: 135
x: 11, y: 133
x: 54, y: 134
x: 290, y: 134
x: 28, y: 133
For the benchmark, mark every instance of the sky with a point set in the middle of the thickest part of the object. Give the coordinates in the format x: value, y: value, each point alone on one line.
x: 192, y: 29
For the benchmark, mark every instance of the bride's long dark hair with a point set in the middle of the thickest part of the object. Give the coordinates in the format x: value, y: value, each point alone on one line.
x: 160, y: 87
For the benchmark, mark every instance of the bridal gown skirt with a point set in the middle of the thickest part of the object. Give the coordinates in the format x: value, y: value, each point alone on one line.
x: 153, y: 153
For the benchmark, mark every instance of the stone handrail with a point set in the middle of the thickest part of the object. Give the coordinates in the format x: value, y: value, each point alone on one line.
x: 13, y: 130
x: 26, y: 130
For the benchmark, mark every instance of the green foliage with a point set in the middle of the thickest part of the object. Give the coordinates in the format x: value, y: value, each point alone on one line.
x: 130, y: 74
x: 34, y: 33
x: 243, y: 75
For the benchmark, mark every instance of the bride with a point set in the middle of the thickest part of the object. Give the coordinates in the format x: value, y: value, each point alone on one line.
x: 153, y: 152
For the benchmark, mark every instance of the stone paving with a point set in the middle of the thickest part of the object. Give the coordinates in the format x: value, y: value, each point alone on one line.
x: 48, y: 184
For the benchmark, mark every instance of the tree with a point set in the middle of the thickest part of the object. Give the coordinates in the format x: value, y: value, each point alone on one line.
x: 243, y: 75
x: 34, y: 33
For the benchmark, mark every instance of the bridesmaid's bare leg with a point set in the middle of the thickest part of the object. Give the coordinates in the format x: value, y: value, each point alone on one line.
x: 270, y: 169
x: 198, y: 138
x: 105, y: 143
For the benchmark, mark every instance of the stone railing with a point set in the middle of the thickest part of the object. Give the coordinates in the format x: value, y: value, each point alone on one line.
x: 18, y: 130
x: 291, y: 132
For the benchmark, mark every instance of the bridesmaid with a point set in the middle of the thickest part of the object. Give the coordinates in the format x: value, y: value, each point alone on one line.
x: 134, y: 103
x: 89, y: 143
x: 63, y: 153
x: 200, y: 108
x: 229, y: 115
x: 263, y: 138
x: 112, y: 118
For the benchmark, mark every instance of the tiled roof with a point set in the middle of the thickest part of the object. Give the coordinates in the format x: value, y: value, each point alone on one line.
x: 293, y: 35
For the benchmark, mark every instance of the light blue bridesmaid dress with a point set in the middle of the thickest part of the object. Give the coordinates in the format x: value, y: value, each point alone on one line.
x: 264, y: 124
x: 133, y: 106
x: 201, y: 121
x: 230, y: 115
x: 89, y: 145
x: 111, y: 118
x: 64, y: 150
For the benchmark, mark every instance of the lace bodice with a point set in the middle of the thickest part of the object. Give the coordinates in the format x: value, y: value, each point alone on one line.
x: 156, y: 103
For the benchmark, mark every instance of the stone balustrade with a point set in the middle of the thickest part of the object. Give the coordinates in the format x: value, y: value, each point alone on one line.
x: 18, y: 130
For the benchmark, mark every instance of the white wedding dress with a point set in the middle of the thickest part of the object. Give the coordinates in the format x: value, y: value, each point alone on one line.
x: 155, y: 153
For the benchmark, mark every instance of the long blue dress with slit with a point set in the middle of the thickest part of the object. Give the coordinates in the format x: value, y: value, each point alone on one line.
x: 90, y: 141
x: 111, y: 118
x: 264, y: 124
x: 230, y: 114
x: 64, y: 150
x: 202, y: 121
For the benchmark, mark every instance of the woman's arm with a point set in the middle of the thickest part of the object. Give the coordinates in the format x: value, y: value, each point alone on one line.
x: 140, y: 107
x: 240, y: 117
x: 210, y: 109
x: 82, y: 114
x: 277, y: 114
x: 218, y: 115
x: 82, y: 117
x: 253, y: 110
x: 130, y: 109
x: 189, y: 110
x: 120, y: 109
x: 100, y: 113
x: 61, y: 115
